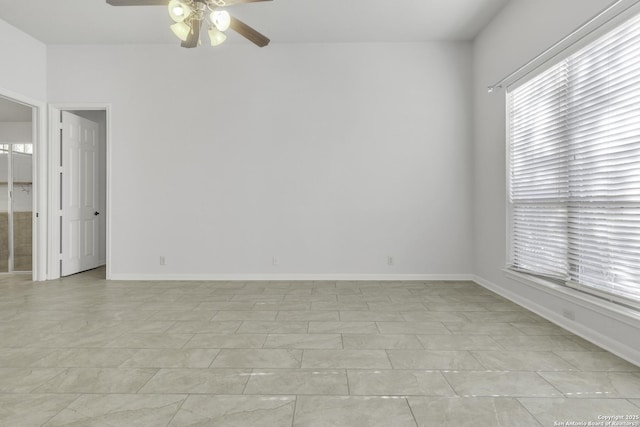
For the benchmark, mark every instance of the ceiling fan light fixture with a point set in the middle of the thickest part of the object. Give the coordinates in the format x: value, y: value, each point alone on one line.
x: 181, y: 30
x: 178, y: 10
x: 216, y: 36
x: 221, y: 19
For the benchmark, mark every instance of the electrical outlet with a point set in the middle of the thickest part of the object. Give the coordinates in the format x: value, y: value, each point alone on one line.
x: 275, y: 260
x: 163, y: 260
x: 569, y: 314
x: 390, y: 260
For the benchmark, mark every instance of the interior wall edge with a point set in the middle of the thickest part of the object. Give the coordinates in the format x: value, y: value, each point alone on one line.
x: 601, y: 337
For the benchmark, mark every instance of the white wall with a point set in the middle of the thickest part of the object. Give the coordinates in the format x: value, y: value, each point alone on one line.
x: 19, y: 132
x: 330, y: 157
x: 521, y: 31
x: 24, y: 58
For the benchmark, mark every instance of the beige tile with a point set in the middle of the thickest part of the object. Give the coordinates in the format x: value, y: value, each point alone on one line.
x: 86, y: 358
x: 277, y: 327
x: 22, y: 357
x: 343, y: 328
x: 550, y: 411
x: 95, y: 380
x: 119, y: 410
x: 150, y: 341
x: 155, y: 306
x: 397, y: 307
x: 539, y: 328
x: 310, y: 298
x: 370, y: 316
x: 196, y: 381
x: 146, y: 326
x: 380, y: 342
x: 339, y: 306
x: 235, y: 411
x: 258, y: 297
x: 350, y: 299
x: 25, y: 380
x: 352, y: 411
x: 595, y: 384
x: 500, y: 316
x: 283, y: 306
x: 522, y: 361
x: 433, y: 316
x: 31, y: 409
x: 84, y: 333
x: 248, y: 358
x: 346, y: 359
x: 212, y: 327
x: 478, y: 411
x: 429, y: 359
x: 171, y: 358
x: 586, y: 345
x: 597, y: 361
x: 486, y: 328
x: 297, y: 381
x: 226, y: 341
x: 539, y: 343
x: 421, y: 328
x: 457, y: 342
x: 454, y: 307
x: 288, y: 291
x: 304, y: 341
x: 398, y: 383
x: 190, y: 315
x: 92, y: 339
x: 306, y: 316
x: 500, y: 384
x: 347, y: 290
x: 226, y: 306
x: 245, y: 315
x: 502, y: 306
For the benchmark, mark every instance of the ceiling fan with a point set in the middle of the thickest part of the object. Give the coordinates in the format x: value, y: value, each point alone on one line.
x: 190, y: 15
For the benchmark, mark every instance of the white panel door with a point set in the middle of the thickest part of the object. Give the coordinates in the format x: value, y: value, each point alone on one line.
x: 79, y: 225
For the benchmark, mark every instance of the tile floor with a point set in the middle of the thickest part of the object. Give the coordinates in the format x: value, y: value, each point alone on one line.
x: 85, y: 352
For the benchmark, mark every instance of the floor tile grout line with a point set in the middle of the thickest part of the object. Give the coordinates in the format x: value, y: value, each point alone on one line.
x: 148, y: 380
x: 538, y: 373
x: 249, y: 377
x: 415, y: 420
x: 518, y: 399
x: 178, y: 410
x: 78, y: 396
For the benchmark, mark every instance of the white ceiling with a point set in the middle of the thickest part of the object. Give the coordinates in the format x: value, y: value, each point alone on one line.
x: 284, y: 21
x: 13, y: 112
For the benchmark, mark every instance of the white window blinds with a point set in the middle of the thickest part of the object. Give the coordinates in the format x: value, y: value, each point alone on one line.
x: 574, y: 159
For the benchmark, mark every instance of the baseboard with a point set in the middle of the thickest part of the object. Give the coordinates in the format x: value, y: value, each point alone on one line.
x: 294, y: 277
x: 598, y: 338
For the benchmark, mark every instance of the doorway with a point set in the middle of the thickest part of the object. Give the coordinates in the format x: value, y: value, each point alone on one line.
x: 16, y: 187
x: 79, y: 173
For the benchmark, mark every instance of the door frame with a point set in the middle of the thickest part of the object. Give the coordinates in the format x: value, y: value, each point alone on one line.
x: 54, y: 183
x: 40, y: 177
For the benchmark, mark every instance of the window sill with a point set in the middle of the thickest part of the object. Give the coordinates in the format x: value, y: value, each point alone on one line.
x: 599, y: 305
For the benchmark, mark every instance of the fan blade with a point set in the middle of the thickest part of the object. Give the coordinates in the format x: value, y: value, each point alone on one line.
x: 194, y: 35
x: 138, y: 2
x: 249, y: 33
x: 232, y: 2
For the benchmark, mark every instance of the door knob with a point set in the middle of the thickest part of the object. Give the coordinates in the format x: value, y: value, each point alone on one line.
x: 96, y: 213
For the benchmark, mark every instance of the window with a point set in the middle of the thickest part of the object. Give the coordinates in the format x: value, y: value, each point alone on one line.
x: 574, y: 169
